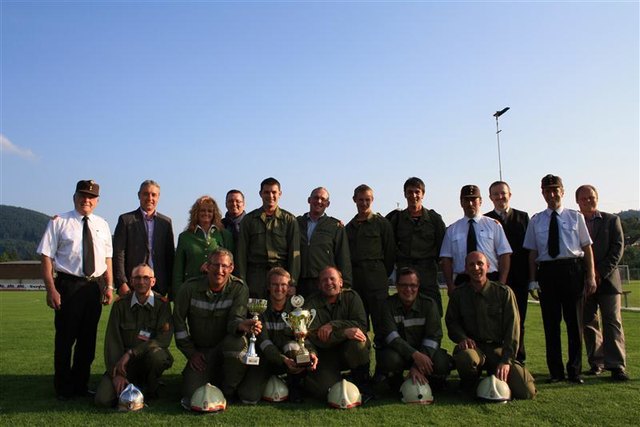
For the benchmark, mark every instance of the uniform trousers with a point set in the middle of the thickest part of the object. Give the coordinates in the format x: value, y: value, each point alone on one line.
x: 224, y: 367
x: 389, y: 361
x: 471, y: 362
x: 76, y: 325
x: 370, y: 282
x: 349, y: 354
x: 561, y: 297
x: 143, y: 371
x: 606, y: 346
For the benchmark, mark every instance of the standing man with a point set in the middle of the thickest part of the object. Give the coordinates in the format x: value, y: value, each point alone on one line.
x: 514, y: 223
x: 412, y: 333
x: 482, y: 320
x: 136, y: 345
x: 339, y: 334
x: 474, y: 232
x: 235, y: 213
x: 606, y: 349
x: 78, y: 244
x: 144, y: 236
x: 418, y: 233
x: 323, y: 242
x: 269, y: 237
x: 560, y: 254
x: 209, y: 317
x: 372, y: 251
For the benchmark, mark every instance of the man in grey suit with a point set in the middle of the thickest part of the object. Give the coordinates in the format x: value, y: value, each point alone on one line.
x: 144, y: 236
x: 606, y: 348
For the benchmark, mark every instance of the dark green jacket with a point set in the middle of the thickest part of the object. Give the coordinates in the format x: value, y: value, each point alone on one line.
x: 347, y: 312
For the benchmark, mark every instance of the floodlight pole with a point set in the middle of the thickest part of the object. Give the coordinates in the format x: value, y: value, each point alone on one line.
x: 496, y: 115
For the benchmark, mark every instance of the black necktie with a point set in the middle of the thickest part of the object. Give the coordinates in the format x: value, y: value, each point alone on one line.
x: 472, y: 242
x: 88, y: 258
x: 554, y: 236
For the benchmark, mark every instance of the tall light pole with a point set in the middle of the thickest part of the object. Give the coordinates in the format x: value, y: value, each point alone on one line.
x: 496, y: 115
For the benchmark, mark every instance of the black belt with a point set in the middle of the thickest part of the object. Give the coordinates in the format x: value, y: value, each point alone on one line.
x: 562, y: 261
x: 72, y: 278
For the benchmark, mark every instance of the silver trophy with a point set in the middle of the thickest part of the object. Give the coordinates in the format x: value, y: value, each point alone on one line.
x: 299, y: 321
x: 256, y: 307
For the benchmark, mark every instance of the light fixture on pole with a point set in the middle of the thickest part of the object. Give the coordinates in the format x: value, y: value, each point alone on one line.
x: 496, y: 115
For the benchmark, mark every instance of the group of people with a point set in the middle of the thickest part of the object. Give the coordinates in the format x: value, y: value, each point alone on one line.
x: 491, y: 263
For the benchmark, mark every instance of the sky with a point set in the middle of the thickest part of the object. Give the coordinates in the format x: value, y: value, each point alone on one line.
x: 206, y: 96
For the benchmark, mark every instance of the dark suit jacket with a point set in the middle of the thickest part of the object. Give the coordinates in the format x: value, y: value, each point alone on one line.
x: 608, y: 246
x: 515, y: 228
x: 130, y: 248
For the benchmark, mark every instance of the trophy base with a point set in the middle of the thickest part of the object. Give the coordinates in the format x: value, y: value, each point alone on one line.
x: 251, y: 360
x: 303, y: 360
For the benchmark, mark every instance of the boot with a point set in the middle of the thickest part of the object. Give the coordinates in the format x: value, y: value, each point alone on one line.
x: 362, y: 380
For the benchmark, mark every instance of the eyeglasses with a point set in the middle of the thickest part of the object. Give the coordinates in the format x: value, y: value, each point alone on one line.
x: 145, y: 279
x: 407, y: 286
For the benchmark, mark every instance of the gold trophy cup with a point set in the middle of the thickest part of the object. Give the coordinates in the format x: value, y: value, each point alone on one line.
x: 299, y: 321
x: 256, y: 307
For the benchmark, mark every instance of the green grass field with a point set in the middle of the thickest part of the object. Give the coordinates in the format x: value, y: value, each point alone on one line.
x: 27, y: 398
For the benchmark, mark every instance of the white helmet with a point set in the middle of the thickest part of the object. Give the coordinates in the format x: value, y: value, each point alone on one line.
x: 416, y: 393
x: 344, y: 395
x: 208, y: 398
x: 131, y: 399
x: 493, y: 389
x: 275, y: 390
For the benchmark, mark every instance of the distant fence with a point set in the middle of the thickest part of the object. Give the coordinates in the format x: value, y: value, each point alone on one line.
x: 22, y: 285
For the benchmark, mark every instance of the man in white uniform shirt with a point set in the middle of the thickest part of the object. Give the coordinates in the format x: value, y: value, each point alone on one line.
x: 560, y: 254
x: 474, y: 232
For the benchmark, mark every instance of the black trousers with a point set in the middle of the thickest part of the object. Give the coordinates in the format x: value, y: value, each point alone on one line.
x: 521, y: 291
x: 76, y: 328
x: 562, y: 297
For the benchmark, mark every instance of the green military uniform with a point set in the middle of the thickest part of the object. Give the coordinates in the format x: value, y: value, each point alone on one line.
x: 194, y: 248
x: 339, y: 352
x: 272, y: 342
x: 372, y: 251
x: 266, y: 242
x: 146, y: 330
x: 207, y: 322
x: 407, y: 331
x: 418, y: 242
x: 490, y: 318
x: 328, y: 246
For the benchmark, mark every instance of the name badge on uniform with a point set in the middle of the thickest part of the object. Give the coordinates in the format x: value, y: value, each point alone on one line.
x: 144, y: 335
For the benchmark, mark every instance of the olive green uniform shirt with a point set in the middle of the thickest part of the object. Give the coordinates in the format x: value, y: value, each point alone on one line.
x: 126, y: 324
x: 417, y: 238
x: 269, y: 242
x: 202, y: 318
x: 416, y: 329
x: 347, y: 312
x: 371, y: 240
x: 328, y: 246
x: 487, y: 317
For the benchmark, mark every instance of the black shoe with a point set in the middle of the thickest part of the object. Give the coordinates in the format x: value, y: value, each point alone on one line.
x: 86, y: 393
x: 553, y: 380
x: 595, y: 370
x: 576, y: 380
x: 63, y: 397
x: 619, y: 375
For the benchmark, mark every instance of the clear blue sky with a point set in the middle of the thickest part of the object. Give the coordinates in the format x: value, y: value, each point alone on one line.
x: 207, y: 96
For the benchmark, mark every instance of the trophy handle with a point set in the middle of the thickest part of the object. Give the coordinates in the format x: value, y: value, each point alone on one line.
x: 285, y: 318
x: 313, y: 316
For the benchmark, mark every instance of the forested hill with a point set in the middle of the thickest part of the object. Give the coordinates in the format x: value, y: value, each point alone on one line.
x: 20, y: 232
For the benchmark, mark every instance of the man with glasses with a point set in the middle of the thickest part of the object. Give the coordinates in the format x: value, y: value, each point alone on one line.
x: 412, y: 332
x: 136, y: 347
x: 210, y: 322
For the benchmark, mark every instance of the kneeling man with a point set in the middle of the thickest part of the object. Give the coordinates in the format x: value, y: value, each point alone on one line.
x: 338, y: 334
x: 137, y: 340
x: 210, y: 321
x: 482, y: 320
x: 412, y: 331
